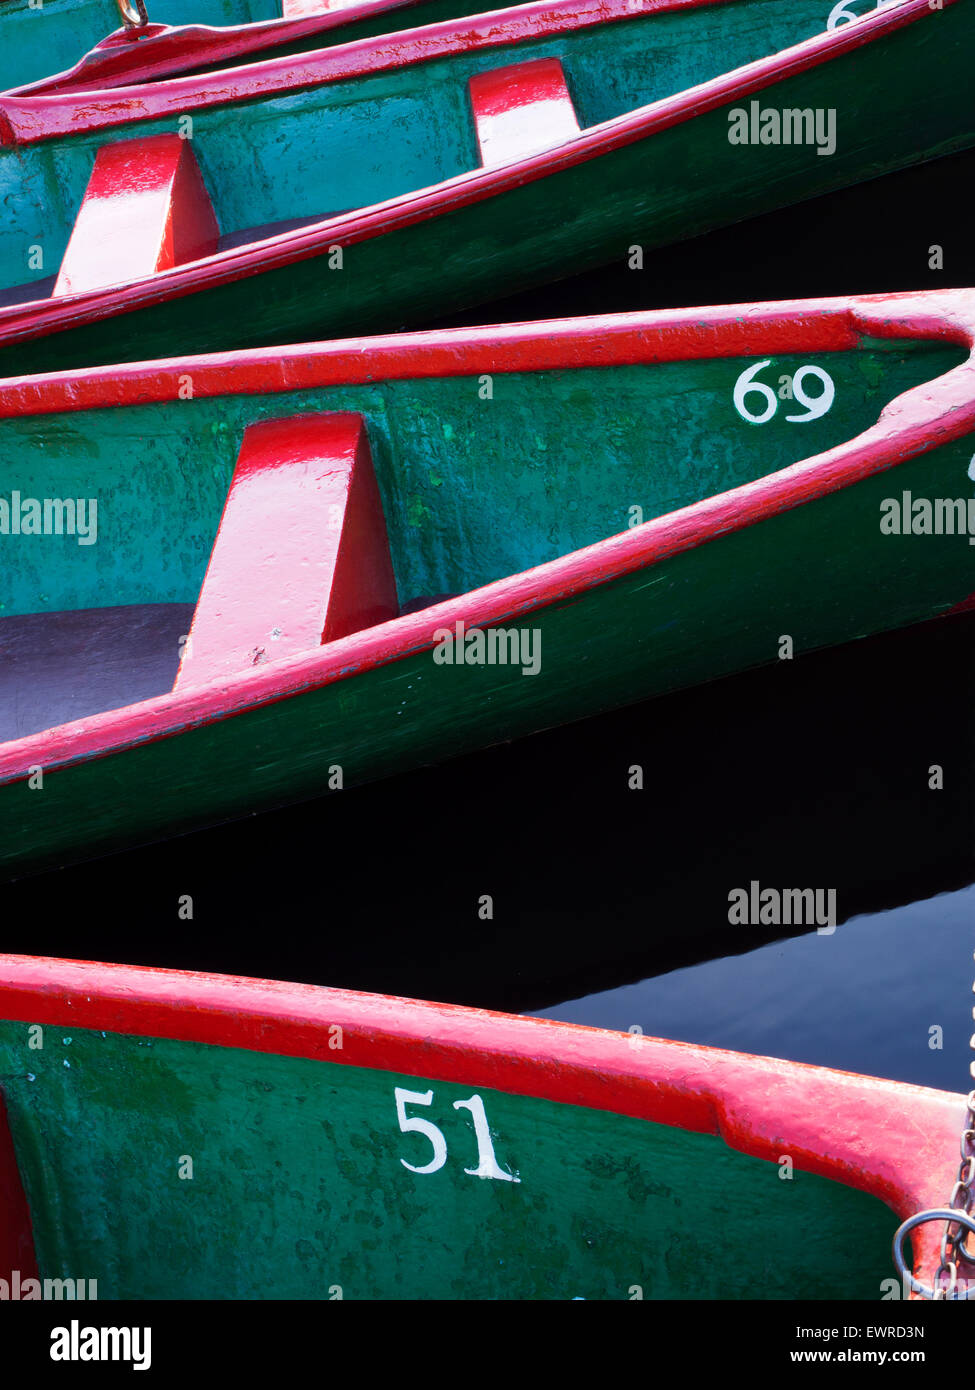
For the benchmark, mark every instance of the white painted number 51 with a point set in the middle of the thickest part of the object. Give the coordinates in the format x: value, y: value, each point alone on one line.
x: 487, y: 1164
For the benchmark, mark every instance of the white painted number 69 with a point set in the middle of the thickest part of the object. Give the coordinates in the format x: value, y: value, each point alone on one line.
x: 815, y: 406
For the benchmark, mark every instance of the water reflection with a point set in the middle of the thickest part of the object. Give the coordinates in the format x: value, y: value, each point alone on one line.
x: 869, y: 998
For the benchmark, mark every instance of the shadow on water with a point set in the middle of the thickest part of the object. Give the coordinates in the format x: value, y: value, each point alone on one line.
x: 812, y: 773
x: 877, y: 237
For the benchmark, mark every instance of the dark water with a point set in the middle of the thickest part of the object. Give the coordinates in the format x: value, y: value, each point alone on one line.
x: 872, y: 239
x: 611, y: 905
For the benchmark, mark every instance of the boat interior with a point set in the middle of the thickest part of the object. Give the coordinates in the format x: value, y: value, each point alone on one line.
x: 282, y: 160
x: 132, y: 536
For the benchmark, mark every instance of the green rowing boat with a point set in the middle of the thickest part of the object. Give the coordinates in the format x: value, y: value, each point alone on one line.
x: 239, y: 581
x: 388, y: 181
x: 205, y: 1137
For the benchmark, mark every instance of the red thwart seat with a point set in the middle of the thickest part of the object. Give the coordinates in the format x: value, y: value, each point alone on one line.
x: 145, y: 209
x: 521, y: 110
x: 301, y: 9
x: 301, y: 555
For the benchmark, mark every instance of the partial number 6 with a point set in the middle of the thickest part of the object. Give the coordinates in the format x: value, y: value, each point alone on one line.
x: 744, y: 386
x: 842, y: 14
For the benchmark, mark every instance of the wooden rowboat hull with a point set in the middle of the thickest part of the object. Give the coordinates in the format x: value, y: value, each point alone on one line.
x: 473, y: 596
x: 273, y: 147
x: 373, y: 1147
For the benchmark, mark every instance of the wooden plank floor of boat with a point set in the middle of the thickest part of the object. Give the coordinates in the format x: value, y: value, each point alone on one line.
x: 31, y: 291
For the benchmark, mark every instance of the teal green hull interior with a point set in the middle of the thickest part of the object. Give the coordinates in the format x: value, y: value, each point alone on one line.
x: 350, y: 144
x: 473, y: 489
x: 298, y: 1189
x: 53, y: 36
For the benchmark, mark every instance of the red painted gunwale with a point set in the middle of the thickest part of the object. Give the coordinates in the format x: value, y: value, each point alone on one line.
x: 26, y: 120
x: 896, y: 1141
x: 914, y: 422
x: 32, y: 117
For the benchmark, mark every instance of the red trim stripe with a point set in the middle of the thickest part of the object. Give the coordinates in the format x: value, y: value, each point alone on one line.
x: 172, y: 48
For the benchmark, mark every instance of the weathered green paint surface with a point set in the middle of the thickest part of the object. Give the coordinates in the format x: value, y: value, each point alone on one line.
x: 298, y: 1187
x: 822, y: 573
x: 349, y: 144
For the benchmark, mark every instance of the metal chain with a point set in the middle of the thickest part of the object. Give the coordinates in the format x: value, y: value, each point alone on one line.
x: 133, y: 13
x: 954, y: 1248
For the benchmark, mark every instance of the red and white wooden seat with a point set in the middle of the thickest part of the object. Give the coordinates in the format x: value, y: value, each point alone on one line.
x: 301, y: 556
x: 302, y: 9
x: 145, y: 209
x: 521, y: 110
x: 298, y: 9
